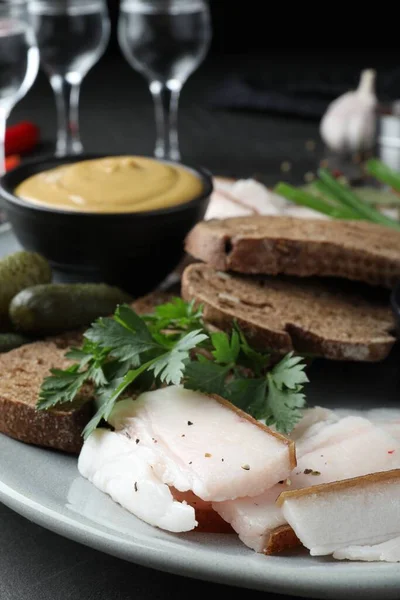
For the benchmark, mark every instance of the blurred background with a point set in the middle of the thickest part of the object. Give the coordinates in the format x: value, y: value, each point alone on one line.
x: 254, y: 103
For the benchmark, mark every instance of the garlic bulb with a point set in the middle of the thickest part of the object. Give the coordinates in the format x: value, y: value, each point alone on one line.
x: 349, y: 124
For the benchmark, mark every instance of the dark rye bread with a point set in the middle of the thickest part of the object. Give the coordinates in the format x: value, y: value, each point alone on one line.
x: 285, y: 314
x: 355, y: 250
x: 21, y: 374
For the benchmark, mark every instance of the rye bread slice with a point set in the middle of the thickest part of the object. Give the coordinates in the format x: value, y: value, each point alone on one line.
x: 272, y: 245
x: 284, y: 314
x: 21, y: 374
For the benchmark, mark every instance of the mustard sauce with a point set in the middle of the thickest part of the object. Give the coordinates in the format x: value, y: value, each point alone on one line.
x: 112, y: 185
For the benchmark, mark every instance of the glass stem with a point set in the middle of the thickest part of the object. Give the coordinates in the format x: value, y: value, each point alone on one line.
x: 166, y: 100
x: 3, y: 124
x: 67, y: 100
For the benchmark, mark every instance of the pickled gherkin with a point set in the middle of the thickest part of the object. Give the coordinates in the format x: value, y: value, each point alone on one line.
x: 53, y: 308
x: 17, y: 272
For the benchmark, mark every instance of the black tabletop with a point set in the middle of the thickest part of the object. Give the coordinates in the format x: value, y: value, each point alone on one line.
x: 117, y: 116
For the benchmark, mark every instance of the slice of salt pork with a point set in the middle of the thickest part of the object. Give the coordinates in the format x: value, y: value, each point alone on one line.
x: 123, y: 471
x: 362, y: 511
x: 204, y: 444
x: 327, y: 451
x: 386, y: 418
x: 385, y: 552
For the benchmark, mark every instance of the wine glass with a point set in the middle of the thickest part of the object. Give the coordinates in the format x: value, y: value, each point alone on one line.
x: 19, y: 61
x: 166, y: 40
x: 72, y: 36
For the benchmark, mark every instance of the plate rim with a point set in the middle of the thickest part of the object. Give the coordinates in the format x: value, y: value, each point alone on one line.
x: 5, y: 227
x: 361, y: 580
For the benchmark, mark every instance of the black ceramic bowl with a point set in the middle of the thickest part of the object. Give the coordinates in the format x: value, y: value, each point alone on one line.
x: 135, y: 251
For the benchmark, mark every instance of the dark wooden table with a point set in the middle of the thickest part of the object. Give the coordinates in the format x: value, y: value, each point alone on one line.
x: 117, y: 116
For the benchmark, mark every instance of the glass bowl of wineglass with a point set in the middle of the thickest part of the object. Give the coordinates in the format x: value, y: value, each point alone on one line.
x: 19, y: 60
x: 165, y: 41
x: 72, y: 36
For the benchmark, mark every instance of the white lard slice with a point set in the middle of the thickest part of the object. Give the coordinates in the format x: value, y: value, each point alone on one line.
x: 222, y: 207
x: 205, y: 445
x: 122, y: 469
x: 312, y: 421
x: 385, y: 552
x: 386, y: 418
x: 258, y: 197
x: 363, y: 511
x: 331, y: 432
x: 351, y: 447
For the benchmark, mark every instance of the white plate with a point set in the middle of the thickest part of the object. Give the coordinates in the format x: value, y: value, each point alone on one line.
x: 45, y: 487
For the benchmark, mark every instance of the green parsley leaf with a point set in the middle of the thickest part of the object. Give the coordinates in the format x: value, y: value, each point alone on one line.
x: 92, y: 357
x: 177, y: 309
x: 289, y: 372
x: 126, y: 316
x: 170, y: 366
x: 248, y: 395
x: 108, y: 397
x: 283, y: 407
x: 254, y: 360
x: 79, y: 355
x: 206, y: 376
x: 61, y: 387
x: 178, y: 316
x: 115, y: 369
x: 226, y: 351
x: 96, y: 374
x: 119, y: 337
x: 157, y: 349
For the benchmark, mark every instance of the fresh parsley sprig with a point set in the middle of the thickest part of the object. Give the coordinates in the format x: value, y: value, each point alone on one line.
x: 128, y: 353
x: 247, y: 379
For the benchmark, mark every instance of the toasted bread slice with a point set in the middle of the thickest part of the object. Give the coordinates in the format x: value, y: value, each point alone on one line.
x: 21, y: 375
x: 283, y: 314
x: 273, y: 245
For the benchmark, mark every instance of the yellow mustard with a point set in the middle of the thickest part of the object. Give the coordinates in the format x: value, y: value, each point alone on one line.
x: 112, y: 185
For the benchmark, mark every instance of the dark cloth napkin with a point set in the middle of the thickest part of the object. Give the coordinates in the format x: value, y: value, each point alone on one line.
x: 304, y: 95
x: 301, y: 101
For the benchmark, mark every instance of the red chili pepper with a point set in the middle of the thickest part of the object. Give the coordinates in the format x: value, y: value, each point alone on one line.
x: 391, y: 451
x: 21, y: 138
x: 12, y: 162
